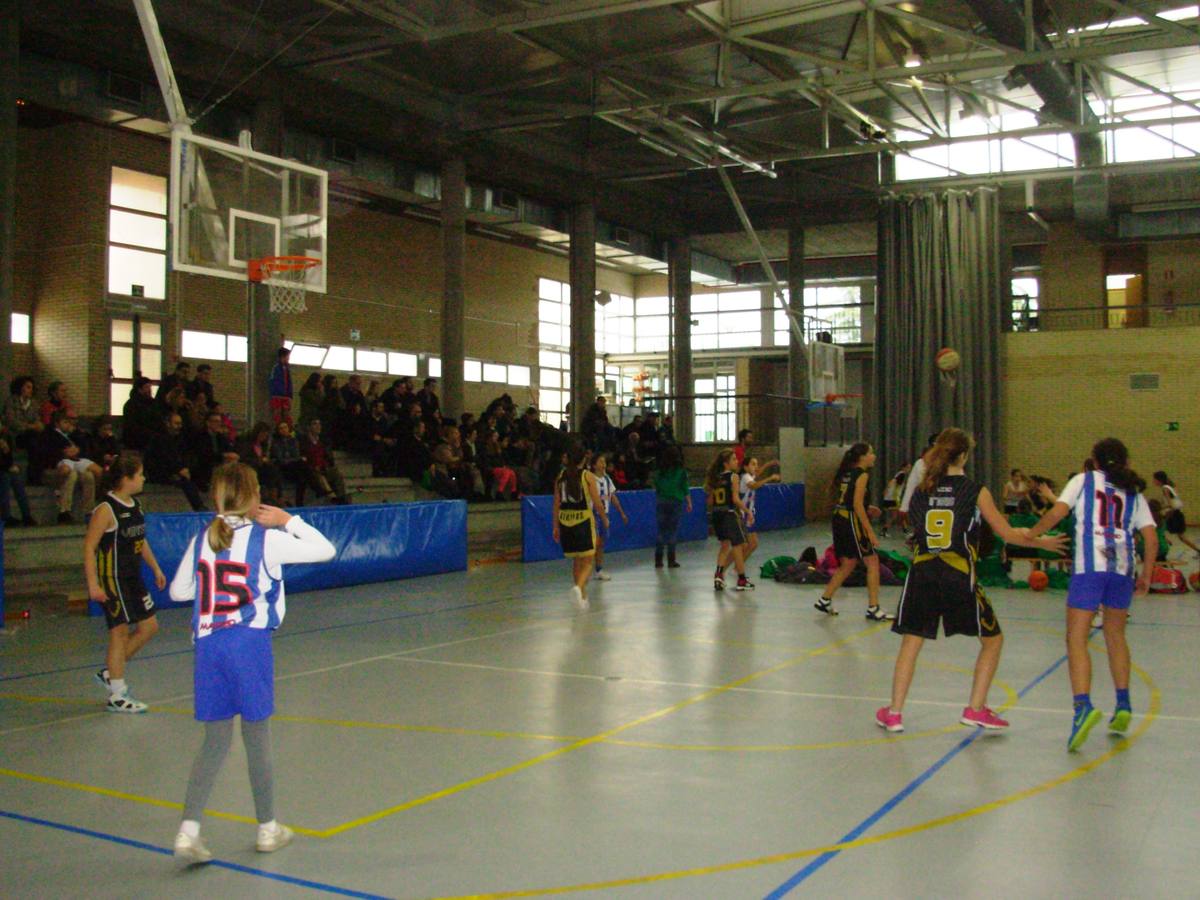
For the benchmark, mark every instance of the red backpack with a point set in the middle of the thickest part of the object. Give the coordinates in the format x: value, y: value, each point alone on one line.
x: 1168, y: 581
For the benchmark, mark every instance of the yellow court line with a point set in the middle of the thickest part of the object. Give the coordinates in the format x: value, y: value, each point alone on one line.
x: 1119, y: 746
x: 428, y: 729
x: 594, y: 739
x: 136, y: 798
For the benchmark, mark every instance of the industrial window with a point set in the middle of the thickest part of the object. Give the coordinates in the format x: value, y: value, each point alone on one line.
x: 137, y: 235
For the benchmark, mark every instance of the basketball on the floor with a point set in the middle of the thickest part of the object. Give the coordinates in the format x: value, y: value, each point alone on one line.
x: 1194, y: 581
x: 947, y: 359
x: 1038, y: 580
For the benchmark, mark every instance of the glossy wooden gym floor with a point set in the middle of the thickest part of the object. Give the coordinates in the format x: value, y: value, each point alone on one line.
x: 475, y: 735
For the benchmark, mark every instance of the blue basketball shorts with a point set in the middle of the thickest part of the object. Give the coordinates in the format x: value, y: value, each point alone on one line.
x: 234, y: 674
x: 1091, y: 590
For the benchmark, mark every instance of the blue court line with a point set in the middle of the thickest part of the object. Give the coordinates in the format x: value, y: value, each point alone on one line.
x: 279, y: 636
x: 216, y: 863
x: 899, y: 798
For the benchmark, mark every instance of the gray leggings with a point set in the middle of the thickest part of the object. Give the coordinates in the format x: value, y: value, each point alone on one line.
x: 218, y: 736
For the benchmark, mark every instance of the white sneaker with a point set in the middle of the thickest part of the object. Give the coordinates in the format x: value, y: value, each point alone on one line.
x: 191, y: 850
x: 270, y: 841
x: 603, y: 576
x: 577, y: 597
x: 125, y: 704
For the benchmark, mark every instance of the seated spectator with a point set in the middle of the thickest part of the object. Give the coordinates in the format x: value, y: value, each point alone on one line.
x: 200, y: 390
x: 637, y: 466
x: 226, y: 420
x: 466, y: 422
x: 254, y: 449
x: 62, y: 456
x: 383, y: 441
x: 372, y: 393
x: 598, y: 432
x: 439, y: 477
x: 430, y: 405
x: 103, y: 446
x: 56, y: 400
x: 392, y: 398
x: 464, y: 472
x: 501, y: 479
x: 211, y: 448
x: 312, y: 395
x: 619, y: 473
x: 285, y: 453
x: 141, y: 418
x: 22, y: 417
x: 412, y: 453
x: 320, y: 458
x: 167, y: 460
x: 12, y: 483
x: 666, y: 431
x: 649, y: 446
x: 180, y: 378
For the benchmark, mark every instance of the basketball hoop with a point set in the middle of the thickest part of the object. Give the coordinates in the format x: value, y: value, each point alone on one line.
x: 947, y: 361
x: 286, y: 279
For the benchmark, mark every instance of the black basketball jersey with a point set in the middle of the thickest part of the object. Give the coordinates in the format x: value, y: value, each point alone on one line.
x: 845, y: 489
x: 573, y: 508
x: 947, y: 520
x: 723, y: 493
x: 119, y: 556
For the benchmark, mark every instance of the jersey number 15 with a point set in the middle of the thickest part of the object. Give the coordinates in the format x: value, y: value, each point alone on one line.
x: 223, y: 586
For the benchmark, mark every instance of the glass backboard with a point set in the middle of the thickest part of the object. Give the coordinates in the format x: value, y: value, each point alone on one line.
x: 230, y: 204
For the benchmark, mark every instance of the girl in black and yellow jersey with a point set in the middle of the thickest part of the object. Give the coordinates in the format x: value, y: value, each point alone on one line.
x: 947, y: 512
x: 854, y: 539
x: 729, y: 518
x: 576, y: 504
x: 113, y: 551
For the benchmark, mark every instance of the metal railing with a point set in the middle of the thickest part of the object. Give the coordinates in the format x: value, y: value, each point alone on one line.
x: 717, y: 418
x: 1098, y: 318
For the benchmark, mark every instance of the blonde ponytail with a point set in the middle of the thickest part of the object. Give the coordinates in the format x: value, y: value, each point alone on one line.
x: 234, y: 493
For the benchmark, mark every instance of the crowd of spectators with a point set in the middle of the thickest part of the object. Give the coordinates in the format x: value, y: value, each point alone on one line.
x: 184, y: 434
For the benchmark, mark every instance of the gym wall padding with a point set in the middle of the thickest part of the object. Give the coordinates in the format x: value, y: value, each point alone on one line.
x: 384, y: 542
x: 777, y: 505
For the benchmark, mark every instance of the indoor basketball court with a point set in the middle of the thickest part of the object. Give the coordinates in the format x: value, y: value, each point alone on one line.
x: 762, y: 257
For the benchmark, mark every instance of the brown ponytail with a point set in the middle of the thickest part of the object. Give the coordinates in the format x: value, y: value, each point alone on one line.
x: 234, y: 493
x: 126, y: 465
x: 949, y: 446
x: 1112, y: 458
x: 713, y: 477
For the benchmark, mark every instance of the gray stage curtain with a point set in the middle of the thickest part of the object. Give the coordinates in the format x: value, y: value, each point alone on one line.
x: 939, y: 286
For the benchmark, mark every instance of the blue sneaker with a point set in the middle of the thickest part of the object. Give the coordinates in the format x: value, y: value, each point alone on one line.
x: 1085, y: 720
x: 1119, y: 723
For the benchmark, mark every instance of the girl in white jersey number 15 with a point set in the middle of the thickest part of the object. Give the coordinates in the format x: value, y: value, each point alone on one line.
x: 232, y: 572
x: 1109, y: 512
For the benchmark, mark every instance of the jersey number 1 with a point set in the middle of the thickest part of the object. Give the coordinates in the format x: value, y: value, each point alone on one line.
x: 217, y: 583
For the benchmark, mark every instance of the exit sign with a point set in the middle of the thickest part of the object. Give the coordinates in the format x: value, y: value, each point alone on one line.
x: 1172, y: 426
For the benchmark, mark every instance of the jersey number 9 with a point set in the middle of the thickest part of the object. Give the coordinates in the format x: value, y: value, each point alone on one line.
x: 939, y: 528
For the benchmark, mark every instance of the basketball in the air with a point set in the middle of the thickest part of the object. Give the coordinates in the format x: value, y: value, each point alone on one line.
x: 1038, y: 580
x: 947, y: 359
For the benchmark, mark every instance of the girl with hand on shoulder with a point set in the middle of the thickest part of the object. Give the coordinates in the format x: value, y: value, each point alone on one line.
x: 232, y: 573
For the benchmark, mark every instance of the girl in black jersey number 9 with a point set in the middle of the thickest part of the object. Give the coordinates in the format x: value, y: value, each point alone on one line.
x: 854, y: 539
x: 941, y: 587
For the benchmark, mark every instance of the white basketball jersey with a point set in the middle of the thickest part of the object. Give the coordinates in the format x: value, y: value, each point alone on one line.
x: 1106, y: 520
x: 606, y: 487
x: 244, y: 584
x: 747, y: 492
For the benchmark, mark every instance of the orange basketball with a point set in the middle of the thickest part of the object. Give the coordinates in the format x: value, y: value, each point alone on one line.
x: 1038, y: 580
x: 947, y: 359
x: 1194, y: 581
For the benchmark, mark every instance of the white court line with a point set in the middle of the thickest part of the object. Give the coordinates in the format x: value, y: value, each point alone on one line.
x: 320, y: 671
x: 1063, y: 711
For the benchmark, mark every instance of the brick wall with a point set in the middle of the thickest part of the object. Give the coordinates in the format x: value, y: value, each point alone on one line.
x: 1066, y: 390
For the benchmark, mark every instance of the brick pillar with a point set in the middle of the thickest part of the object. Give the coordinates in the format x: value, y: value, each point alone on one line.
x: 454, y: 277
x: 583, y: 311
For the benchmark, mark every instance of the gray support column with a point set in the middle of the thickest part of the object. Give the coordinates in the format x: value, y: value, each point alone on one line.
x: 679, y: 272
x: 797, y: 357
x: 266, y: 329
x: 454, y: 250
x: 583, y: 311
x: 10, y: 32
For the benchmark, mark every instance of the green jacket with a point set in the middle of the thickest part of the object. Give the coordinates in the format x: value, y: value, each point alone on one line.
x: 671, y: 484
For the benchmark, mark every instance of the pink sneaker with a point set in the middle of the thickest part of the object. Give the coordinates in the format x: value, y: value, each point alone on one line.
x: 982, y: 718
x: 888, y: 720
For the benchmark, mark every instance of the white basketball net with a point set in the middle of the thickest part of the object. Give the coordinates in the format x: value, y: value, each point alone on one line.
x: 949, y: 378
x: 286, y: 289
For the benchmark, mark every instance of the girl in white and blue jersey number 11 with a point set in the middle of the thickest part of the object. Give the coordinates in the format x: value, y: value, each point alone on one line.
x: 1109, y: 511
x: 232, y: 573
